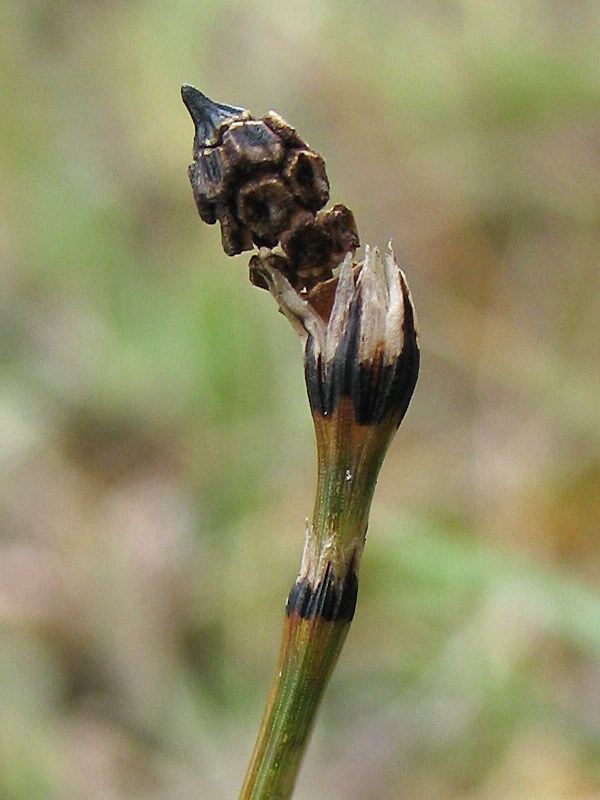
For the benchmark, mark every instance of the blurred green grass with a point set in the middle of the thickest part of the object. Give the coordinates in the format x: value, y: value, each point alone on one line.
x: 157, y: 454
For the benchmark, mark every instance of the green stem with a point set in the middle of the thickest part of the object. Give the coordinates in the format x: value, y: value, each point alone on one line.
x: 349, y: 458
x: 309, y: 652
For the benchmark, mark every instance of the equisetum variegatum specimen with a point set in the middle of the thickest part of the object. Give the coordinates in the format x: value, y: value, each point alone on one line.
x: 267, y: 188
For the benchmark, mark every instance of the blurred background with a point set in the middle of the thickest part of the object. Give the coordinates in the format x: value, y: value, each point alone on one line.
x: 156, y: 451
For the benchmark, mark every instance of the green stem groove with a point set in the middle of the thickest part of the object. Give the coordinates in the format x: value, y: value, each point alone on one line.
x: 309, y: 652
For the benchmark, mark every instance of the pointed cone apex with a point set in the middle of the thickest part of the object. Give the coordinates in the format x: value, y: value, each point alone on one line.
x: 207, y: 115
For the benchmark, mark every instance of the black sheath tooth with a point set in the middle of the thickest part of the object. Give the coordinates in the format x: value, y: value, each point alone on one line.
x: 349, y: 595
x: 328, y: 600
x: 409, y: 361
x: 312, y: 375
x: 323, y: 600
x: 299, y: 598
x: 345, y: 362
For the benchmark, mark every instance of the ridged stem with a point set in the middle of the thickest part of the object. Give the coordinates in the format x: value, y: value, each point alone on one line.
x: 321, y: 604
x: 309, y: 652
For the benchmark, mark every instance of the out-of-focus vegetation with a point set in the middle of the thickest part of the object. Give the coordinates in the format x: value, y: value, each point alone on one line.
x: 156, y: 453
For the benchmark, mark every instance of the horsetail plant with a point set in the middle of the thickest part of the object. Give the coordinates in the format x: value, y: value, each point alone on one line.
x: 266, y: 187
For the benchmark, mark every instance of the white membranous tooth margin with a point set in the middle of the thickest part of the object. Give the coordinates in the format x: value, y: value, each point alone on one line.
x: 340, y: 313
x: 373, y: 294
x: 396, y: 310
x: 301, y: 314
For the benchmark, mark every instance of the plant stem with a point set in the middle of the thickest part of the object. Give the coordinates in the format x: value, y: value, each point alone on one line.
x: 309, y: 652
x: 321, y: 604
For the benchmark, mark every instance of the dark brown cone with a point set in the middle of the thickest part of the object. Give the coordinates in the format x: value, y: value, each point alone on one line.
x: 266, y: 186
